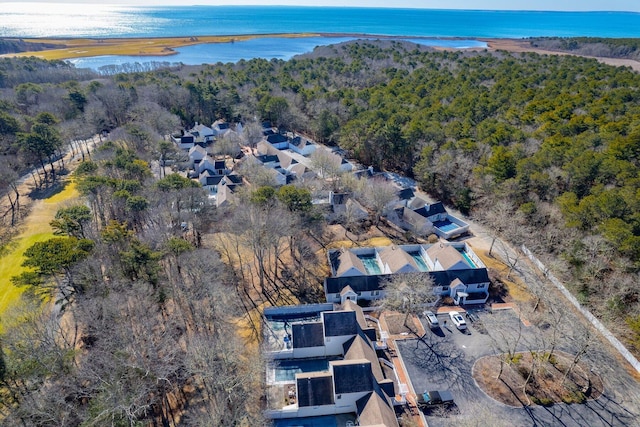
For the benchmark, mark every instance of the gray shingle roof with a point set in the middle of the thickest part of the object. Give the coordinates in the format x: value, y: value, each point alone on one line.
x: 307, y: 335
x: 340, y: 323
x: 314, y: 389
x: 334, y: 285
x: 268, y: 158
x: 276, y: 138
x: 374, y: 409
x: 352, y: 376
x: 432, y: 209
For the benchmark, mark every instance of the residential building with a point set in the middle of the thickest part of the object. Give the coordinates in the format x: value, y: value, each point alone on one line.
x: 358, y: 273
x: 328, y: 364
x: 423, y: 218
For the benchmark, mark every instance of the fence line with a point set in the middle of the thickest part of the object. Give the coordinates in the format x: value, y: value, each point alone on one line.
x: 586, y: 313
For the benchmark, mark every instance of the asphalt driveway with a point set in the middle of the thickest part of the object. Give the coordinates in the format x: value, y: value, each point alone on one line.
x: 444, y: 358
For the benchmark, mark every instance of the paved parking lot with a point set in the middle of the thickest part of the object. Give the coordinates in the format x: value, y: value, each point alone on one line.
x: 444, y: 357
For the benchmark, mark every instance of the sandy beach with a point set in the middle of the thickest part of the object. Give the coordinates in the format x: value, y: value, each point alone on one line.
x: 87, y: 47
x: 515, y: 45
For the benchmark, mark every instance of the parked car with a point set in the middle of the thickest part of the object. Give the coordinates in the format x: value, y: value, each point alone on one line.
x: 429, y: 399
x: 431, y: 319
x: 458, y: 320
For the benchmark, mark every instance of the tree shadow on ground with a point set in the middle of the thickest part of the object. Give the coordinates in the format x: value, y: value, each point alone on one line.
x: 48, y: 191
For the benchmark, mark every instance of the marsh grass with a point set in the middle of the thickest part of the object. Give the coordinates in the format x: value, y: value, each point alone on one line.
x: 84, y: 47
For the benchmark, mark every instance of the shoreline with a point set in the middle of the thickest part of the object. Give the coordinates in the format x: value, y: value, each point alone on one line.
x: 70, y: 48
x: 522, y: 45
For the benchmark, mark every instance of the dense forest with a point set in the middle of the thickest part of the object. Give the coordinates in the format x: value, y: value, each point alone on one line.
x: 543, y: 149
x: 591, y: 46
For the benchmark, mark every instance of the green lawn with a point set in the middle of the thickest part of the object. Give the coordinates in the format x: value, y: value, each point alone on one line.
x: 36, y: 229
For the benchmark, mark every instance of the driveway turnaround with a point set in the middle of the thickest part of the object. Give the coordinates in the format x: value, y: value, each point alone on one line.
x: 444, y: 357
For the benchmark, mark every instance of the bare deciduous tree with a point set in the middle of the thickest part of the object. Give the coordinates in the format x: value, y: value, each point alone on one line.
x: 408, y: 293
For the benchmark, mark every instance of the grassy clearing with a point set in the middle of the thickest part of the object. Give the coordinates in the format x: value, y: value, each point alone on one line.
x: 79, y: 48
x: 517, y: 289
x: 374, y: 241
x: 35, y: 229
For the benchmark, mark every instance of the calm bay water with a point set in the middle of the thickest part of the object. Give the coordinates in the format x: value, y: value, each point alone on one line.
x: 103, y: 21
x: 267, y: 47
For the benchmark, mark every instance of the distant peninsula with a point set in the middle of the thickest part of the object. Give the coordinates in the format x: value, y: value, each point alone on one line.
x: 617, y: 52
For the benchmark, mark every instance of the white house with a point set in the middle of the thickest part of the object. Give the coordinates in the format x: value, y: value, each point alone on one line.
x: 220, y: 128
x: 196, y: 154
x: 202, y: 133
x: 424, y: 218
x: 362, y: 270
x: 184, y: 141
x: 353, y: 381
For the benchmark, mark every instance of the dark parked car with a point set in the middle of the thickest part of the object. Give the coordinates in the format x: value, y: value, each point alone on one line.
x: 429, y: 399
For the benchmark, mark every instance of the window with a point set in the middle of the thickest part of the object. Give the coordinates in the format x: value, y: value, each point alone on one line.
x: 481, y: 285
x: 375, y: 293
x: 445, y: 288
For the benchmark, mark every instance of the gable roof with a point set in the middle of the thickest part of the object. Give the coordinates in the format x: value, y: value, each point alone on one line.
x: 347, y: 289
x: 307, y: 335
x: 456, y: 282
x: 284, y: 159
x: 414, y: 218
x: 202, y: 130
x: 417, y: 202
x: 431, y: 209
x: 374, y: 410
x: 359, y: 347
x: 199, y: 149
x: 225, y: 195
x: 340, y: 323
x: 334, y: 285
x: 234, y: 178
x: 343, y: 260
x: 277, y: 138
x: 268, y: 158
x: 446, y: 255
x: 314, y: 389
x: 213, y: 180
x: 352, y: 376
x: 349, y: 305
x: 396, y: 258
x: 468, y: 277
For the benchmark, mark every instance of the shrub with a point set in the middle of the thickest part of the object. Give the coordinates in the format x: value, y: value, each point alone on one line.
x: 542, y: 401
x: 574, y: 397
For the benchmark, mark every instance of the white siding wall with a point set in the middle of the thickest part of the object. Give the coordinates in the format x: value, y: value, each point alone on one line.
x: 334, y: 344
x: 301, y: 353
x: 347, y: 401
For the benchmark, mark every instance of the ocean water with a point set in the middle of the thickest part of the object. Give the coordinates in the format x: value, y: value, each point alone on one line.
x: 90, y: 20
